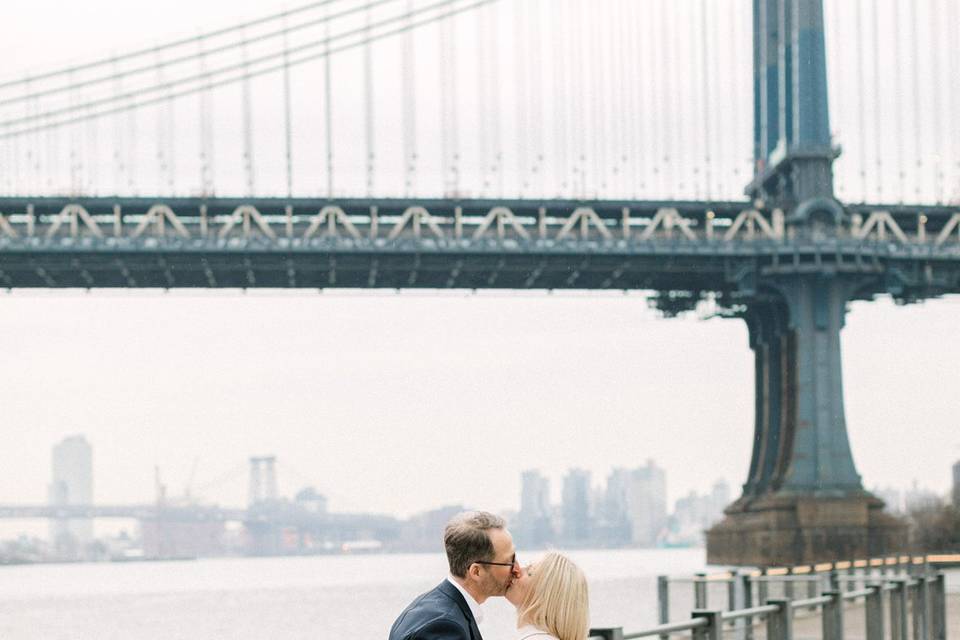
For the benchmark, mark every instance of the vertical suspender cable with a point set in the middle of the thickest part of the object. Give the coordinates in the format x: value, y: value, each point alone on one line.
x: 917, y: 131
x: 132, y: 147
x: 171, y: 142
x: 328, y: 104
x: 705, y: 76
x: 247, y: 124
x: 482, y: 100
x: 642, y: 95
x: 861, y: 106
x: 12, y: 149
x: 206, y: 128
x: 368, y: 101
x: 664, y: 115
x: 52, y: 168
x: 454, y: 110
x: 595, y: 116
x: 746, y: 160
x: 936, y: 20
x: 558, y: 97
x: 491, y: 33
x: 722, y: 152
x: 118, y: 141
x: 161, y: 130
x: 898, y: 100
x: 877, y: 111
x: 287, y: 122
x: 409, y: 106
x: 33, y: 152
x: 683, y: 84
x: 521, y: 55
x: 953, y: 26
x: 579, y: 118
x: 74, y: 148
x: 539, y: 81
x: 627, y: 114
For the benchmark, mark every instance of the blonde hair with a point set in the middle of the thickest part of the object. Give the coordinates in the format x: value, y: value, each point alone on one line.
x: 557, y: 600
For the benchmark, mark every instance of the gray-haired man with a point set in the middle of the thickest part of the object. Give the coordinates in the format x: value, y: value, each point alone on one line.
x: 483, y: 562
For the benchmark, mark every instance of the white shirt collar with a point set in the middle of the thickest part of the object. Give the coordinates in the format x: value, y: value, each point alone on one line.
x: 473, y: 604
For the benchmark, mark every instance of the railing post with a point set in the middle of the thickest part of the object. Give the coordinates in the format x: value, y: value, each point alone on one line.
x: 714, y: 628
x: 732, y: 584
x: 874, y: 612
x: 663, y: 601
x: 763, y: 587
x: 700, y: 591
x: 607, y: 633
x: 832, y: 619
x: 939, y: 602
x: 834, y: 580
x: 813, y: 586
x: 780, y: 623
x: 918, y: 606
x: 747, y: 604
x: 898, y: 610
x: 788, y: 584
x: 851, y: 572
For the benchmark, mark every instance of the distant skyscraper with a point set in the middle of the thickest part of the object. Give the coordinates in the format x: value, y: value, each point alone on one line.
x: 956, y: 484
x: 575, y: 507
x: 647, y: 504
x: 71, y: 484
x: 615, y: 515
x: 534, y: 517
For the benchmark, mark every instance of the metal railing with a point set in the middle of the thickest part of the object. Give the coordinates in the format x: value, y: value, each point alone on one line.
x: 914, y: 607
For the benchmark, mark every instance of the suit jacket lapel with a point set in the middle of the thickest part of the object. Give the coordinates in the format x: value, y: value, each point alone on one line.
x: 454, y: 594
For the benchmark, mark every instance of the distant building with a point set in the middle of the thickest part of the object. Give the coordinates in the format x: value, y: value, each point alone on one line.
x: 424, y: 531
x: 918, y: 498
x: 956, y: 484
x: 167, y: 539
x: 575, y: 507
x: 310, y: 501
x: 892, y: 498
x: 647, y: 505
x: 71, y: 484
x: 614, y: 516
x: 534, y: 528
x: 694, y: 514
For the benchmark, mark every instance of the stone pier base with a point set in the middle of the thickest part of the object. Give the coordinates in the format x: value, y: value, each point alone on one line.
x: 786, y: 530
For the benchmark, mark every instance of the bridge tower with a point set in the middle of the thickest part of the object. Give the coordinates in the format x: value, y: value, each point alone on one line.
x: 803, y: 500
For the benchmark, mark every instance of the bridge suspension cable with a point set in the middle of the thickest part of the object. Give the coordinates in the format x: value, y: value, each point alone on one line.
x: 156, y: 49
x: 219, y: 77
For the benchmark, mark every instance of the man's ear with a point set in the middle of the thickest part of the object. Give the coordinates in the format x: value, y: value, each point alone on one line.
x: 473, y: 571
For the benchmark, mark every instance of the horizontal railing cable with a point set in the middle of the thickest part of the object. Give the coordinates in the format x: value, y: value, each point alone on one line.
x: 671, y: 627
x: 208, y: 84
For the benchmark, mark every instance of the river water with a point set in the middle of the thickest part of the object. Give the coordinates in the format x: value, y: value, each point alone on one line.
x: 355, y: 596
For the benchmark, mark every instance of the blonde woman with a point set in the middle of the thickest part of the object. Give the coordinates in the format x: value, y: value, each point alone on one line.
x: 551, y: 600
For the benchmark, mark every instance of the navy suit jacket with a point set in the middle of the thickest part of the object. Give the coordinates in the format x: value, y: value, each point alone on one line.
x: 439, y: 614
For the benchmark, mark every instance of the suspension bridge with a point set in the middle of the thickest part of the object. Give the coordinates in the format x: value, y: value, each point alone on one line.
x: 686, y: 148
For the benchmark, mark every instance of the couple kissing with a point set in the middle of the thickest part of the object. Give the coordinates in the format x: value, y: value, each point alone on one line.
x: 550, y: 595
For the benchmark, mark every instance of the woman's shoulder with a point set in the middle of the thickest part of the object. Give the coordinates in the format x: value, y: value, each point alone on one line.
x: 534, y: 633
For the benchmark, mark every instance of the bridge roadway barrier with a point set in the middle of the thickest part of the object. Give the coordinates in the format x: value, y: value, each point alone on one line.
x: 896, y: 598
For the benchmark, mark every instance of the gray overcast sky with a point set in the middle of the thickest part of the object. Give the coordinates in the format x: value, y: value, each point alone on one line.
x: 399, y: 403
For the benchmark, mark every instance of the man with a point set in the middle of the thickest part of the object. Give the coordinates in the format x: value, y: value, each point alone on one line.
x: 483, y: 563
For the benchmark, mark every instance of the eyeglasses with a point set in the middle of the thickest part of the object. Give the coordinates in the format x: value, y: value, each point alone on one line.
x: 512, y: 563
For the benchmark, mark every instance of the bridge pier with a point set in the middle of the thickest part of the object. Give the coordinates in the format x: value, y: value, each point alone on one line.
x: 803, y: 500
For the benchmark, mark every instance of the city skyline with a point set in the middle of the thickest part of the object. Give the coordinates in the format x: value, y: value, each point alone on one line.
x: 73, y: 481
